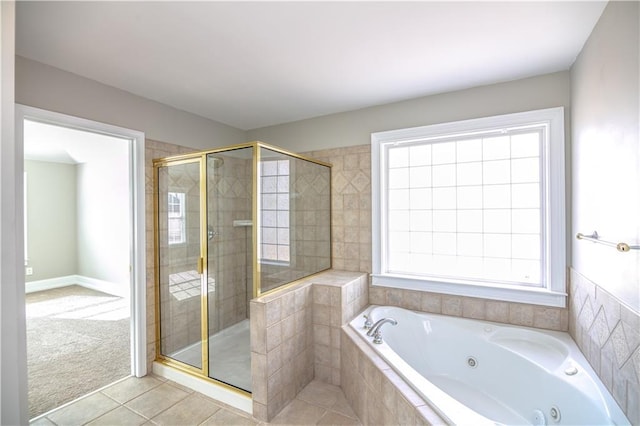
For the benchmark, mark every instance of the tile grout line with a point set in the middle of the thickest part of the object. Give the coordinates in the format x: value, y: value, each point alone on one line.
x: 123, y: 404
x: 168, y: 382
x: 63, y: 406
x: 326, y: 411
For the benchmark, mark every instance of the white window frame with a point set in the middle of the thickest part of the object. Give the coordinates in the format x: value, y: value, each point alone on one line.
x: 553, y: 292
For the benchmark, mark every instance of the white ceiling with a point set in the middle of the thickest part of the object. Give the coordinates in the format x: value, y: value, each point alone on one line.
x: 254, y: 64
x: 48, y: 142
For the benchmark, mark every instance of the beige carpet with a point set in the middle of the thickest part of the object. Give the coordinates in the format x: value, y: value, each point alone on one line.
x: 77, y: 342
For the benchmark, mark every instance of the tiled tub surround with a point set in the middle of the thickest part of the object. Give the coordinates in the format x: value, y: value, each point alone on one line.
x: 337, y: 297
x: 377, y: 394
x: 608, y: 334
x: 295, y: 336
x: 430, y: 352
x: 470, y: 307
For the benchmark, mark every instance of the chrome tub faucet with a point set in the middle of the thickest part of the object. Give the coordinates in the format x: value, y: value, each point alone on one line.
x: 376, y: 331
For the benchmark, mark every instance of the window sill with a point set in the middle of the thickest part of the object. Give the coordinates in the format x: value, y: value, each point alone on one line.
x: 530, y: 295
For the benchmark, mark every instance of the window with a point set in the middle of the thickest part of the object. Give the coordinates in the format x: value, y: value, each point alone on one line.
x: 274, y: 197
x: 473, y: 208
x: 177, y: 225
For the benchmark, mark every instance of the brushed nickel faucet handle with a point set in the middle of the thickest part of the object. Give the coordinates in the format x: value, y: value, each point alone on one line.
x: 367, y: 323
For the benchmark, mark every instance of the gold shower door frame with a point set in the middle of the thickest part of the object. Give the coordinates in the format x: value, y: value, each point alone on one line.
x: 202, y: 264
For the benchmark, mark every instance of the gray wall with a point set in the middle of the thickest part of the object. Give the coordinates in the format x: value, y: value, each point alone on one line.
x: 51, y: 219
x: 78, y: 220
x: 42, y: 86
x: 104, y: 220
x: 606, y: 151
x: 355, y: 127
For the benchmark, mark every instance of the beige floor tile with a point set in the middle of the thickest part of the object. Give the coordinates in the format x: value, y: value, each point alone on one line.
x: 179, y: 386
x: 155, y: 401
x: 343, y: 407
x: 192, y: 410
x: 121, y: 416
x: 226, y: 417
x: 319, y: 393
x: 84, y: 410
x: 130, y: 388
x: 332, y: 418
x: 299, y: 412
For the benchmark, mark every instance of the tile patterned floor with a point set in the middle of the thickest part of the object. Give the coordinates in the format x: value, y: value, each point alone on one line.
x: 153, y: 400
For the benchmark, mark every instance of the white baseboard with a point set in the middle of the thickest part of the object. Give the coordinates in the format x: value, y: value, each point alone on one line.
x: 92, y: 283
x: 104, y: 286
x: 51, y: 283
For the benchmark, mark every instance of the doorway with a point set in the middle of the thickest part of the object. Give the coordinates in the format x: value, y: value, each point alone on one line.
x: 84, y: 242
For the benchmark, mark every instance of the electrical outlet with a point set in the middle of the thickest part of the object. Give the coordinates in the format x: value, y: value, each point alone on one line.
x: 29, y: 270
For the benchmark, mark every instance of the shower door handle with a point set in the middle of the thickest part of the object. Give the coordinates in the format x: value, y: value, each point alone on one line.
x: 201, y: 265
x: 212, y: 232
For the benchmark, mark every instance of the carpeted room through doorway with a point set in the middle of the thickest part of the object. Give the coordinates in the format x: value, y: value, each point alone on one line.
x: 77, y: 342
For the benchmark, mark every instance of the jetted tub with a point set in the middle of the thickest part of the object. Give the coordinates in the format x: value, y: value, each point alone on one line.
x: 476, y: 372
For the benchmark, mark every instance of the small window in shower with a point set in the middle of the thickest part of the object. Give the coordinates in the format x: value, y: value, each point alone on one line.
x: 274, y: 193
x: 177, y: 218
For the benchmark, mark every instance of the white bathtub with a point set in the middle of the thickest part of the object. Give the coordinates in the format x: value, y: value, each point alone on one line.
x: 475, y: 372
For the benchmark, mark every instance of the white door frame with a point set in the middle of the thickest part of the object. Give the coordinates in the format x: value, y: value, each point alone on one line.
x: 137, y: 214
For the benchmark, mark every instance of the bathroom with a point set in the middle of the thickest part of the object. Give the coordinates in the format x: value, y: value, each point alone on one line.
x: 599, y: 94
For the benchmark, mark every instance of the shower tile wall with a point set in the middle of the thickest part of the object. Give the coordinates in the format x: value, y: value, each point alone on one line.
x: 309, y: 238
x: 230, y: 264
x: 180, y: 301
x: 608, y: 334
x: 153, y: 149
x: 311, y: 224
x: 350, y: 206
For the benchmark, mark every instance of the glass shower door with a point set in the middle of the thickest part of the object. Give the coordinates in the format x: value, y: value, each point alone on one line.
x: 180, y: 256
x: 229, y: 263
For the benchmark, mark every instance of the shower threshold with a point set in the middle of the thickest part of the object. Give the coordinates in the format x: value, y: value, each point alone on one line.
x: 229, y: 355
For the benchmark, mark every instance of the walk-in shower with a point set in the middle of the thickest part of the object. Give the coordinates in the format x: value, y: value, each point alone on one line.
x: 231, y: 224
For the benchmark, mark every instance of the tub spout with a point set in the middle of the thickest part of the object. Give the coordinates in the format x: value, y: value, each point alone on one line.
x: 376, y: 331
x: 375, y: 327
